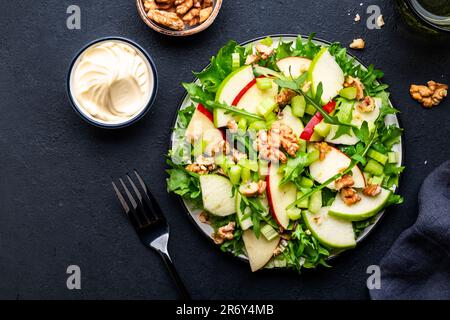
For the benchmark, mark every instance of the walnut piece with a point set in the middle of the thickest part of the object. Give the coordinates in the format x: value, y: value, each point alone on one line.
x: 349, y: 196
x: 355, y: 82
x: 323, y: 148
x: 285, y: 96
x: 268, y: 143
x: 372, y: 190
x: 224, y: 233
x: 203, y: 217
x: 357, y: 18
x: 430, y: 95
x: 192, y: 14
x: 367, y: 105
x: 168, y: 19
x: 184, y: 7
x: 264, y: 51
x: 202, y: 165
x: 205, y: 13
x: 357, y: 44
x: 252, y: 188
x: 345, y: 181
x: 232, y: 126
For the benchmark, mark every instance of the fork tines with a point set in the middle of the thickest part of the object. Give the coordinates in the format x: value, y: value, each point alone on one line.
x: 137, y: 202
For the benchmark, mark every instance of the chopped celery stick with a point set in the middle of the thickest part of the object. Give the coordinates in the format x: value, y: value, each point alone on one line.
x: 312, y: 156
x: 381, y: 158
x: 310, y: 109
x: 258, y: 125
x: 306, y: 183
x: 268, y: 232
x: 315, y: 202
x: 264, y: 83
x: 348, y: 93
x: 235, y: 174
x: 374, y: 168
x: 267, y: 41
x: 304, y: 203
x: 266, y: 107
x: 392, y: 157
x: 376, y: 180
x: 245, y: 174
x: 252, y: 165
x: 322, y: 128
x: 235, y: 60
x: 294, y: 213
x: 302, y: 145
x: 298, y: 105
x: 263, y: 168
x: 279, y: 262
x: 242, y: 124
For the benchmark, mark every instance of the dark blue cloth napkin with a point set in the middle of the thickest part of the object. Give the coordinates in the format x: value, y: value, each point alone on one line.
x: 418, y: 264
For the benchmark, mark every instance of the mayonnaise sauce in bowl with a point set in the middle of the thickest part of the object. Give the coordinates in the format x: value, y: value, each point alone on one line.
x: 112, y: 83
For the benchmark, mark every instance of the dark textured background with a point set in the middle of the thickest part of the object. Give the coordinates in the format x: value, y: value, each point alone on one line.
x: 57, y: 207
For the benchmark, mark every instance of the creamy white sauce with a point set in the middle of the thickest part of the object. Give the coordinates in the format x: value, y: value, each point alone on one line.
x: 112, y: 82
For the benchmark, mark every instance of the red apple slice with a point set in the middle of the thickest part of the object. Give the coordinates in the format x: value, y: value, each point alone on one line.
x: 335, y: 161
x: 201, y: 128
x: 279, y: 196
x: 251, y: 97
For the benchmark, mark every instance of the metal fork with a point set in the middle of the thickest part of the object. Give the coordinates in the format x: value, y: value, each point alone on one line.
x: 149, y: 222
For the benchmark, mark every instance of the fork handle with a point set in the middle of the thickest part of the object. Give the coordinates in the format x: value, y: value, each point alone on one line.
x: 184, y: 295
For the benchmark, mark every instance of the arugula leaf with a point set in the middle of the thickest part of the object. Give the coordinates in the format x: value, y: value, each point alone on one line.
x: 184, y: 116
x: 196, y: 92
x: 294, y: 168
x: 307, y: 49
x: 220, y: 66
x: 229, y: 109
x: 284, y: 50
x: 394, y: 199
x: 183, y: 182
x: 363, y: 132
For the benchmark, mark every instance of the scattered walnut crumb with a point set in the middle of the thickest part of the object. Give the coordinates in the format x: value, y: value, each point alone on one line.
x: 349, y: 196
x: 380, y: 21
x: 372, y: 190
x: 357, y: 18
x: 429, y: 95
x: 357, y: 44
x: 224, y: 233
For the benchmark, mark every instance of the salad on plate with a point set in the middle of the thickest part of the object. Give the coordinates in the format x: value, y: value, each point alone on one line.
x: 286, y: 151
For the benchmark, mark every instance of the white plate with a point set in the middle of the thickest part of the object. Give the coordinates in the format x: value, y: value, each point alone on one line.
x: 194, y: 212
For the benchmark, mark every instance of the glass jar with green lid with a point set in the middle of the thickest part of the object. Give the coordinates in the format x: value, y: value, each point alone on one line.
x: 430, y: 16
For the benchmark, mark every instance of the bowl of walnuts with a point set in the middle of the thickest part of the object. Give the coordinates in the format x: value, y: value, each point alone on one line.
x: 178, y: 17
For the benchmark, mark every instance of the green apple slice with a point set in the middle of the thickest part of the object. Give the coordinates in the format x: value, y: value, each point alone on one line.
x: 365, y: 208
x: 293, y: 66
x: 358, y: 118
x: 330, y: 231
x: 288, y: 119
x: 324, y: 69
x: 334, y: 162
x: 259, y: 250
x: 229, y: 89
x: 217, y: 195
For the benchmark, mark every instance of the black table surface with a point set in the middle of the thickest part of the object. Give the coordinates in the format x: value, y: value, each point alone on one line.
x: 57, y: 205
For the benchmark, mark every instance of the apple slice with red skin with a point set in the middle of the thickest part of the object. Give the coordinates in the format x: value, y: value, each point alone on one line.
x: 202, y: 126
x: 279, y: 196
x: 315, y: 120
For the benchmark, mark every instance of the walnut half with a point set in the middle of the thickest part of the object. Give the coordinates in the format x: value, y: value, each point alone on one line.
x: 430, y: 95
